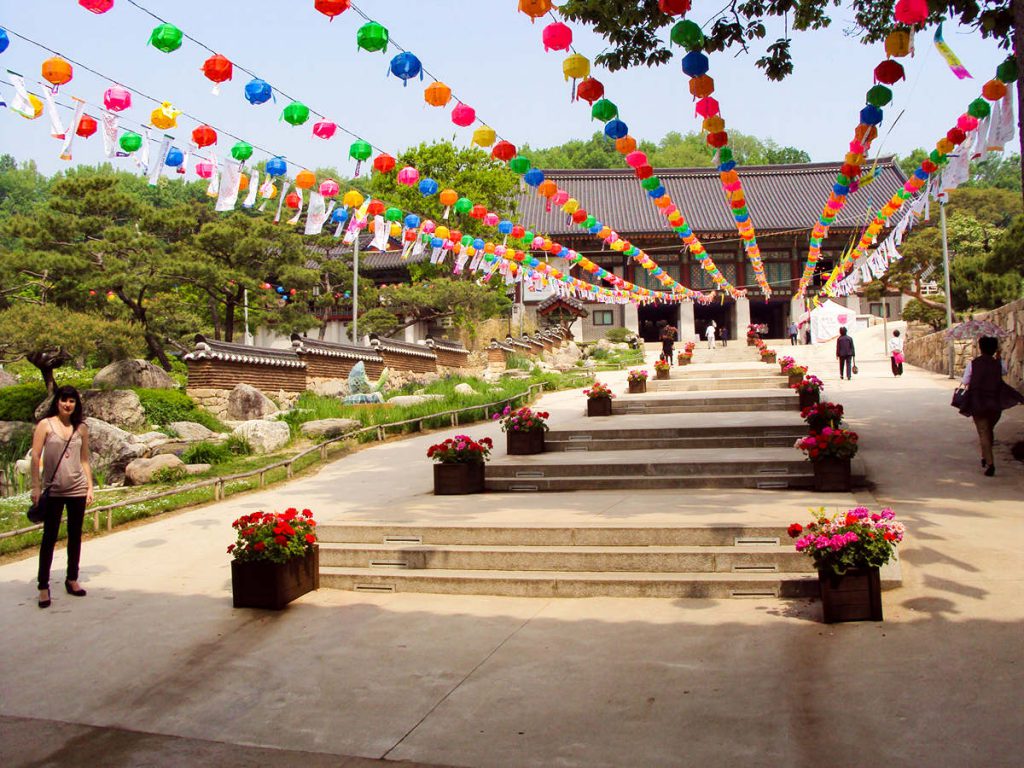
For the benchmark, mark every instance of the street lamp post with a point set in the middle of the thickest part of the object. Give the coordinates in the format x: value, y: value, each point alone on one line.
x: 945, y: 270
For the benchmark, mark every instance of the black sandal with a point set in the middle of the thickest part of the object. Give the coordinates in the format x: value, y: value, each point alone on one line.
x: 76, y: 592
x: 45, y: 603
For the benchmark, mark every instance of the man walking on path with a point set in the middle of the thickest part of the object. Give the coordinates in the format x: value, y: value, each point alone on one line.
x: 792, y: 334
x: 845, y: 353
x: 709, y: 334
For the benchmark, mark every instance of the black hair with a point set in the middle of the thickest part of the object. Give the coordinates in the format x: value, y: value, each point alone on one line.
x: 895, y: 333
x: 988, y: 345
x: 842, y: 331
x: 64, y: 393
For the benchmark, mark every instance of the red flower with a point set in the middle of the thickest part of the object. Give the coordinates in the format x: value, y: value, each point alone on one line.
x: 310, y: 538
x: 795, y: 530
x: 280, y: 540
x: 231, y: 548
x: 259, y: 546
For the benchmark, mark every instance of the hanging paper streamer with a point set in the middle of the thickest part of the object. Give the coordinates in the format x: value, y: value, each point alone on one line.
x: 56, y: 127
x: 142, y: 158
x: 69, y: 136
x: 229, y: 183
x: 22, y: 102
x: 949, y: 57
x: 316, y: 214
x: 161, y: 158
x: 109, y: 133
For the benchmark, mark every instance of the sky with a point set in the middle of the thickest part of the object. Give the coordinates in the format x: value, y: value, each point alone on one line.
x: 490, y: 55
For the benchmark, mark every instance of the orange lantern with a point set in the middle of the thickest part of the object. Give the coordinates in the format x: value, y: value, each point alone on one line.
x: 56, y: 71
x: 701, y: 86
x: 625, y: 145
x: 305, y: 180
x: 448, y: 197
x: 713, y: 124
x: 993, y: 90
x: 547, y: 188
x: 243, y: 183
x: 534, y: 8
x: 437, y: 94
x: 204, y: 136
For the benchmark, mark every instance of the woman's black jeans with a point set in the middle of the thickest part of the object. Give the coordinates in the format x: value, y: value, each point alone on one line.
x: 51, y: 527
x: 845, y: 366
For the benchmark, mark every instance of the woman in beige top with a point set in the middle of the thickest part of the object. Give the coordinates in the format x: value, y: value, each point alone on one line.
x: 60, y: 469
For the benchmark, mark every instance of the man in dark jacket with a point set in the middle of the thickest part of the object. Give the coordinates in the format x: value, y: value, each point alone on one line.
x: 845, y: 353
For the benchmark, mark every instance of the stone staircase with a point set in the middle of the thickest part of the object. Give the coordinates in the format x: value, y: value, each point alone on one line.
x: 646, y: 438
x: 706, y: 401
x: 655, y: 561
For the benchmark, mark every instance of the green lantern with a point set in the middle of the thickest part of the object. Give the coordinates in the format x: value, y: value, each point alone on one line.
x: 242, y: 151
x: 130, y: 142
x: 842, y: 179
x: 879, y: 96
x: 296, y: 113
x: 519, y: 165
x: 979, y: 108
x: 651, y: 182
x: 166, y: 38
x: 527, y: 237
x: 1007, y: 71
x: 589, y: 222
x: 394, y: 214
x: 360, y: 150
x: 688, y: 35
x: 467, y: 240
x: 372, y: 37
x: 463, y: 205
x: 604, y: 110
x: 934, y: 156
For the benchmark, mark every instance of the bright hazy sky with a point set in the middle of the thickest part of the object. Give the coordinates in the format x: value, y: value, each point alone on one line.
x: 489, y: 54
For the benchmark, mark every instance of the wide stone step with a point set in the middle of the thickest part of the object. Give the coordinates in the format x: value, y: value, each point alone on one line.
x: 751, y: 559
x: 617, y: 430
x: 782, y: 481
x: 723, y: 372
x: 577, y: 584
x: 658, y: 443
x: 714, y: 384
x: 536, y: 467
x: 654, y: 403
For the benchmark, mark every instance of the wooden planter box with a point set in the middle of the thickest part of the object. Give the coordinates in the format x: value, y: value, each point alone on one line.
x: 458, y: 479
x: 599, y: 406
x: 750, y: 341
x: 637, y: 387
x: 854, y: 596
x: 662, y: 374
x: 684, y: 359
x: 263, y: 584
x: 524, y: 443
x: 831, y: 474
x: 807, y: 399
x: 795, y: 378
x: 770, y: 359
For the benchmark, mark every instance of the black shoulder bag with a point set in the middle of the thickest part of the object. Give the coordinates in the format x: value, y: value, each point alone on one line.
x: 36, y: 513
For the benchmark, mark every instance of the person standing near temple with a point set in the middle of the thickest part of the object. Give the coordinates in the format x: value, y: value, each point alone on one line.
x: 845, y: 353
x: 792, y: 334
x: 896, y: 353
x: 709, y: 334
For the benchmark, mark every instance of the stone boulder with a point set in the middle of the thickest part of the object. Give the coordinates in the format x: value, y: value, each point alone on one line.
x: 12, y: 432
x: 264, y: 436
x: 329, y: 427
x: 141, y: 471
x: 246, y: 403
x: 463, y: 388
x: 190, y: 430
x: 120, y: 407
x: 407, y: 400
x: 197, y: 469
x: 113, y: 449
x: 329, y: 387
x: 133, y: 373
x: 7, y: 379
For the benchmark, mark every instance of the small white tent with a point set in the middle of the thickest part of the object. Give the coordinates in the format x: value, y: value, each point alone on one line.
x: 827, y: 319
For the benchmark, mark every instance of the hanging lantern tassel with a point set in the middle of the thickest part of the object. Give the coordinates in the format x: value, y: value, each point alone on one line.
x: 359, y: 164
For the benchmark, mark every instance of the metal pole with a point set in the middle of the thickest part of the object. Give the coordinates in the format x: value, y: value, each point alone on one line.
x: 245, y: 315
x: 355, y: 289
x: 945, y: 270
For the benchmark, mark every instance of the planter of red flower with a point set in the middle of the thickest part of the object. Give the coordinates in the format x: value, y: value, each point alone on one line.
x: 768, y: 356
x: 459, y: 467
x: 830, y: 452
x: 832, y: 474
x: 809, y: 390
x: 276, y: 559
x: 661, y: 369
x: 636, y: 381
x: 854, y: 596
x: 524, y: 430
x: 599, y: 399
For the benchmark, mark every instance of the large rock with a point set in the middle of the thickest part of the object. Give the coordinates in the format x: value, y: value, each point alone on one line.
x: 358, y: 384
x: 264, y: 436
x: 246, y: 402
x: 120, y: 407
x: 407, y: 400
x: 7, y: 379
x: 113, y: 449
x: 12, y: 432
x: 329, y: 427
x: 141, y: 471
x: 462, y: 388
x: 190, y: 430
x: 329, y: 387
x: 133, y: 373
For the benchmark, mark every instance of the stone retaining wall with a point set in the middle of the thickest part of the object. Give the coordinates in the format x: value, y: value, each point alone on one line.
x: 215, y: 400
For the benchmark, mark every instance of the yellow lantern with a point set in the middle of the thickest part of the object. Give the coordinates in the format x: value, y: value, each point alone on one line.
x: 165, y: 116
x: 897, y: 44
x: 442, y: 232
x: 352, y: 199
x: 396, y: 229
x: 484, y: 136
x: 576, y: 67
x: 571, y: 205
x: 713, y: 124
x: 37, y: 107
x: 945, y: 146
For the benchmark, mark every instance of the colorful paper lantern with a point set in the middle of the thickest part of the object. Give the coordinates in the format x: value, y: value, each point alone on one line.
x: 897, y: 44
x: 175, y: 157
x: 258, y: 91
x: 556, y: 37
x: 37, y: 107
x: 352, y: 199
x: 534, y: 177
x: 130, y: 142
x: 701, y: 86
x: 360, y: 150
x: 166, y: 37
x: 674, y: 7
x: 688, y: 35
x: 165, y: 116
x: 204, y: 170
x: 979, y: 108
x: 437, y: 94
x: 218, y: 69
x: 615, y: 129
x: 405, y: 66
x: 276, y: 166
x: 478, y: 211
x: 329, y: 188
x: 707, y: 107
x: 97, y: 6
x: 204, y: 136
x: 519, y: 165
x: 695, y: 64
x: 956, y: 136
x: 889, y: 72
x: 305, y: 179
x: 331, y: 8
x: 604, y: 110
x: 57, y: 71
x: 966, y: 122
x: 625, y: 145
x: 576, y: 67
x: 427, y: 187
x: 993, y: 90
x: 911, y: 12
x: 375, y: 208
x: 372, y: 37
x: 590, y: 90
x: 295, y: 113
x: 463, y: 115
x: 463, y: 205
x: 1006, y: 72
x: 324, y: 129
x: 879, y: 96
x: 292, y: 200
x: 117, y: 99
x: 534, y: 8
x: 448, y: 197
x: 241, y: 151
x: 5, y: 41
x: 86, y: 127
x: 503, y: 151
x: 408, y: 176
x: 713, y: 124
x: 484, y: 136
x: 383, y: 163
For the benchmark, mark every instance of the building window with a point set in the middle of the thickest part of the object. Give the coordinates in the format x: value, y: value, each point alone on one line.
x: 875, y: 308
x: 603, y: 317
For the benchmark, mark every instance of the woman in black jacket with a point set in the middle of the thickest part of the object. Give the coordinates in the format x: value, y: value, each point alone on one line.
x: 984, y: 380
x: 845, y: 353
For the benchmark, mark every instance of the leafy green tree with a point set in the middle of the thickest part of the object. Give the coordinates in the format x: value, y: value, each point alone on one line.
x: 933, y: 313
x: 464, y: 302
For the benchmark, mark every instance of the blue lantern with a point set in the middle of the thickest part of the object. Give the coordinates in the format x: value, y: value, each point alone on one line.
x: 436, y: 242
x: 412, y: 221
x: 276, y: 166
x: 657, y: 192
x: 258, y: 91
x: 428, y: 187
x: 478, y: 243
x: 4, y: 40
x: 505, y: 226
x: 339, y: 216
x: 534, y: 177
x: 280, y: 289
x: 405, y: 66
x: 175, y: 157
x: 695, y: 64
x: 871, y: 115
x: 727, y: 166
x: 615, y: 129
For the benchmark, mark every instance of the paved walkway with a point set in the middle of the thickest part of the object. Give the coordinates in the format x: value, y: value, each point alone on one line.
x: 154, y: 667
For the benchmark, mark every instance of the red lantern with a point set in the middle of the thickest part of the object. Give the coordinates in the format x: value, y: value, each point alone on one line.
x: 97, y: 6
x: 674, y: 7
x: 504, y: 151
x: 580, y: 216
x: 590, y: 90
x: 218, y: 68
x: 644, y: 172
x: 86, y: 127
x: 292, y: 200
x: 956, y: 136
x: 375, y: 208
x: 517, y: 232
x: 478, y: 211
x: 204, y: 136
x: 56, y: 71
x: 911, y: 12
x: 889, y: 72
x: 556, y: 37
x: 718, y: 140
x: 849, y: 170
x: 332, y: 8
x: 383, y: 163
x: 463, y: 115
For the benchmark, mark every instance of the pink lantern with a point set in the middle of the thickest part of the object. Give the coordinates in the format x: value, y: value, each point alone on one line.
x: 491, y: 220
x: 537, y: 242
x: 560, y: 198
x: 966, y: 122
x: 636, y: 159
x: 911, y: 12
x: 117, y: 98
x: 324, y: 129
x: 428, y: 227
x: 463, y: 115
x: 707, y: 107
x: 329, y: 188
x: 408, y: 176
x: 204, y: 170
x: 557, y: 37
x: 97, y: 6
